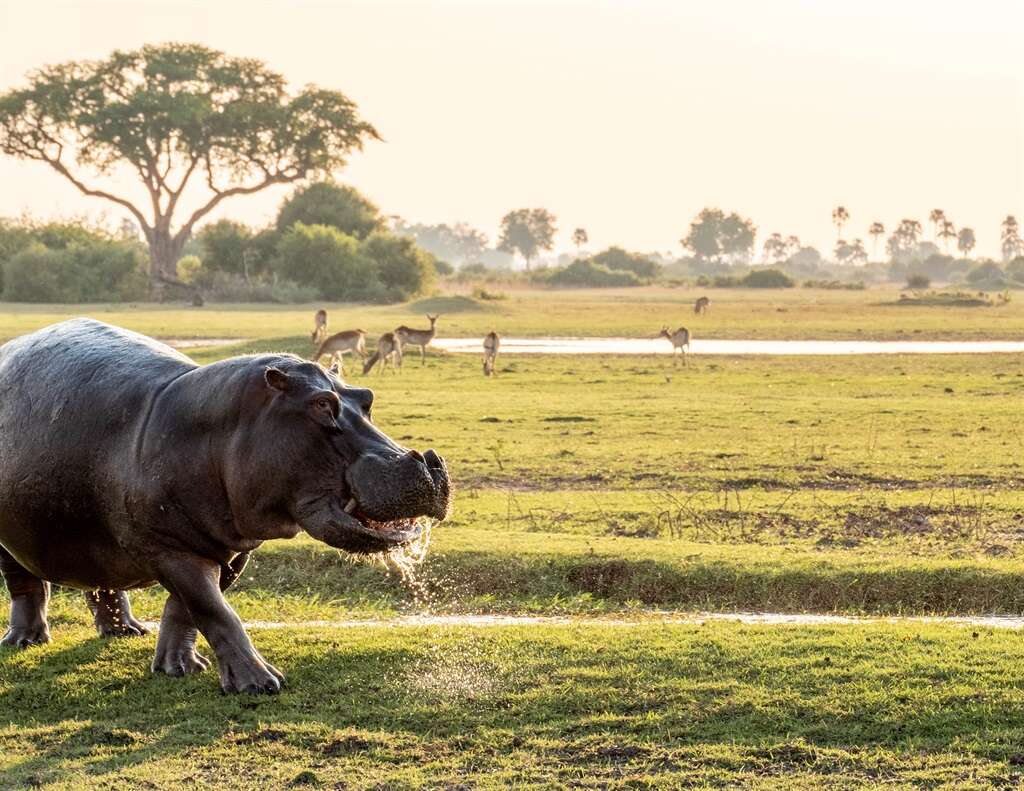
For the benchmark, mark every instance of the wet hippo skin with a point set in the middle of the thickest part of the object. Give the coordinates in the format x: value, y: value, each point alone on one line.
x: 123, y: 464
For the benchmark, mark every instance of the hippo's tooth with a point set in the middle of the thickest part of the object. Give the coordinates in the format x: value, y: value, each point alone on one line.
x: 351, y: 506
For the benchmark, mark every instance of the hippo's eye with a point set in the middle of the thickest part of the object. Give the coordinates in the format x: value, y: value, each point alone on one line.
x: 325, y: 405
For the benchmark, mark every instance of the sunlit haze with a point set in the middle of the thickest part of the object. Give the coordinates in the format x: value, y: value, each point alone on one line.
x: 623, y: 118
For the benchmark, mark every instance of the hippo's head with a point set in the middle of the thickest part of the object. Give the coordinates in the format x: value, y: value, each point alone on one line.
x: 339, y: 477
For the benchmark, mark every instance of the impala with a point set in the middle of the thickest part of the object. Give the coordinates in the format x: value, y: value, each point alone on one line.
x: 408, y: 335
x: 680, y: 340
x: 336, y: 345
x: 320, y: 326
x: 491, y: 344
x: 700, y: 307
x: 388, y: 350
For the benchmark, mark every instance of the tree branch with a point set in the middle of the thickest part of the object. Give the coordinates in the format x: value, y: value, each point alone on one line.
x: 59, y: 166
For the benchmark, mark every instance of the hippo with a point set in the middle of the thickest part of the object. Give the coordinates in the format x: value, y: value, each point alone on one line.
x: 124, y: 464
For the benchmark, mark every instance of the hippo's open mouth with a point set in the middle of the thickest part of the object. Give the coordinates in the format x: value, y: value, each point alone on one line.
x: 352, y: 529
x: 396, y: 531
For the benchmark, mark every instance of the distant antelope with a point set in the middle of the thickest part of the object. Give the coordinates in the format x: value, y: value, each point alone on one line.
x: 491, y: 344
x: 421, y: 338
x: 680, y: 340
x: 700, y: 307
x: 320, y: 326
x: 336, y: 345
x: 388, y: 350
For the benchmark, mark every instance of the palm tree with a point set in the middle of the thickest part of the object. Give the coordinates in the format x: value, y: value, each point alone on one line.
x: 965, y: 241
x: 579, y: 238
x: 840, y: 216
x: 935, y: 217
x: 947, y: 233
x: 876, y: 231
x: 1010, y: 236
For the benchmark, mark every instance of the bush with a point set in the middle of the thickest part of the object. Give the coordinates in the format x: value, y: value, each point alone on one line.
x: 225, y: 287
x: 918, y: 282
x: 703, y: 280
x: 1015, y: 269
x: 724, y: 281
x: 987, y: 273
x: 473, y: 269
x: 767, y: 278
x: 106, y: 271
x: 482, y: 293
x: 443, y: 268
x: 190, y: 269
x: 405, y: 270
x: 584, y: 273
x: 617, y: 259
x: 330, y: 261
x: 835, y: 285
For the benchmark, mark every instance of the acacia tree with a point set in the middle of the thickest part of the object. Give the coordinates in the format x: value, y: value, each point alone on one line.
x: 715, y: 235
x: 775, y: 248
x: 527, y: 232
x: 580, y: 238
x: 176, y: 115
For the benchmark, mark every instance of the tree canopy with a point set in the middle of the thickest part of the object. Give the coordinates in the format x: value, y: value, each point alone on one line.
x: 716, y: 236
x: 527, y: 232
x: 176, y: 115
x: 327, y: 203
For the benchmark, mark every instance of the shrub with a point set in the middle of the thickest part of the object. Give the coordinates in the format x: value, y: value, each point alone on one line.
x: 106, y: 271
x: 724, y: 281
x: 835, y: 285
x: 918, y: 282
x: 405, y: 270
x: 617, y: 259
x: 473, y: 269
x: 703, y: 281
x: 987, y: 273
x: 443, y: 268
x: 584, y: 273
x: 225, y: 287
x: 767, y: 278
x: 190, y: 269
x: 1015, y: 269
x: 330, y: 261
x: 487, y: 296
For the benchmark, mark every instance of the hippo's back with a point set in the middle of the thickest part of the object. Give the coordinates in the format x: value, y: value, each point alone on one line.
x: 74, y: 400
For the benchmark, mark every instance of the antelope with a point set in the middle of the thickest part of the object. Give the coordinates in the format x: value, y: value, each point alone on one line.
x: 680, y: 340
x: 336, y: 345
x: 388, y: 350
x: 491, y: 344
x: 320, y: 328
x: 700, y: 307
x: 421, y: 338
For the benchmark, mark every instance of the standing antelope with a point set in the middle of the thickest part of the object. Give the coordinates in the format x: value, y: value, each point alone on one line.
x: 348, y: 341
x: 700, y: 307
x: 491, y: 344
x: 320, y: 326
x: 388, y: 350
x: 680, y: 340
x: 421, y: 338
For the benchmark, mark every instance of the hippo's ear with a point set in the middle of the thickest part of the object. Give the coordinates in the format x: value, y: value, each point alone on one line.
x: 276, y: 378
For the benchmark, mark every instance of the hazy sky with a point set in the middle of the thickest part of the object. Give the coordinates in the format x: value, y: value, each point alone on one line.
x: 622, y: 117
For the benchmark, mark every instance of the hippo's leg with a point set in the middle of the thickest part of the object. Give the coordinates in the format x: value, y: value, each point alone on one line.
x: 113, y: 614
x: 29, y: 598
x: 197, y: 602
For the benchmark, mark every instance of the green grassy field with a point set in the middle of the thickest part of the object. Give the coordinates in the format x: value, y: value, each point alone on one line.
x: 796, y: 313
x: 650, y: 706
x: 607, y: 486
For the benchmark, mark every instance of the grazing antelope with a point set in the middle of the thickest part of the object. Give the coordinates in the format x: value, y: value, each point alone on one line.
x: 320, y: 326
x: 336, y: 345
x: 700, y: 307
x: 680, y: 340
x: 388, y: 350
x: 491, y: 344
x: 421, y: 338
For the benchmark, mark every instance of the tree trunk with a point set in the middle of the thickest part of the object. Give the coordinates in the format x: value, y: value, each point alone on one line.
x: 164, y: 252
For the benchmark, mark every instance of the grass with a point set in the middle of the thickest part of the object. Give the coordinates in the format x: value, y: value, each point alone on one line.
x: 645, y: 706
x: 884, y: 485
x: 872, y: 314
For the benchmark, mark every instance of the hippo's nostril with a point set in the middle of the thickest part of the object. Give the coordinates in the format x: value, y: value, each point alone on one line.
x: 416, y: 455
x: 433, y: 461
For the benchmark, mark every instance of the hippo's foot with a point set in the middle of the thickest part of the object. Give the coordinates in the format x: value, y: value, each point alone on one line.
x: 249, y: 673
x: 25, y: 636
x: 112, y: 614
x: 180, y: 662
